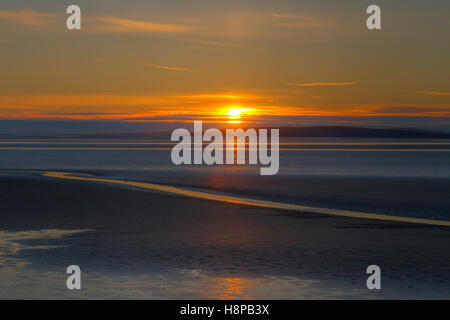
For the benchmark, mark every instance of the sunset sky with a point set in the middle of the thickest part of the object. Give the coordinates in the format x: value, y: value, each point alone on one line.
x: 271, y: 61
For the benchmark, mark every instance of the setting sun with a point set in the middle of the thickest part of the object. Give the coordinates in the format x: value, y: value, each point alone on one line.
x: 236, y: 112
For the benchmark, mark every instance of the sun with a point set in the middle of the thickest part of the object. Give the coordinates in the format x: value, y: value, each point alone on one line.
x: 236, y: 113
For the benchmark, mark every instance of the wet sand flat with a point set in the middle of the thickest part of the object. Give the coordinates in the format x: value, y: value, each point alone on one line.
x: 144, y: 244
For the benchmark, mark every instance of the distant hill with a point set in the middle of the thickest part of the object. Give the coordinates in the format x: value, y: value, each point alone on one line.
x: 356, y: 132
x: 311, y: 132
x: 341, y: 132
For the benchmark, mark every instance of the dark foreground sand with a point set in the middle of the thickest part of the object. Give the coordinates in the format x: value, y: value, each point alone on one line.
x: 150, y: 245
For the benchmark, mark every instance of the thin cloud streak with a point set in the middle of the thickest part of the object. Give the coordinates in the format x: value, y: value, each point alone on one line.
x: 167, y: 68
x: 114, y: 24
x: 298, y: 21
x: 326, y: 84
x: 435, y: 93
x: 217, y: 43
x: 27, y: 17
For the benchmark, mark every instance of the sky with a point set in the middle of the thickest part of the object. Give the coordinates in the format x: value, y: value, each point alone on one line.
x: 277, y: 62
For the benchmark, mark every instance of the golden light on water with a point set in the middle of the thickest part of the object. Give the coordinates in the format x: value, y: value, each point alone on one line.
x: 231, y: 288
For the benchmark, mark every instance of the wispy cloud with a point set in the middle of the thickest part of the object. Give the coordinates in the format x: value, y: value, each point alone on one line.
x: 298, y: 20
x: 27, y: 17
x: 114, y: 24
x: 218, y: 97
x: 98, y: 106
x: 435, y: 93
x: 325, y: 84
x: 168, y: 68
x: 217, y: 43
x: 212, y: 105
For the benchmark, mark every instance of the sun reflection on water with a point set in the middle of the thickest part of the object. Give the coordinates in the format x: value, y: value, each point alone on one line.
x: 231, y: 288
